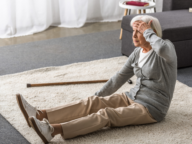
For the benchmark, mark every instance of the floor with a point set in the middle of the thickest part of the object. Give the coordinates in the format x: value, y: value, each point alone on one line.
x: 57, y: 32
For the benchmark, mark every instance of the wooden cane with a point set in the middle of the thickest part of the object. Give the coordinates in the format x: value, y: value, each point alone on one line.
x: 65, y: 83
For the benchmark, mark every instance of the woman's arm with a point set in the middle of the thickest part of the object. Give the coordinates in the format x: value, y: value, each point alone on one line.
x: 116, y: 81
x: 163, y: 48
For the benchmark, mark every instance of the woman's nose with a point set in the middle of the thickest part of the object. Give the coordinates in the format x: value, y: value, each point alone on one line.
x: 134, y: 35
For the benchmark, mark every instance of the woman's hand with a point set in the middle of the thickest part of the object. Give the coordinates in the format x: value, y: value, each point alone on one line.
x: 141, y: 26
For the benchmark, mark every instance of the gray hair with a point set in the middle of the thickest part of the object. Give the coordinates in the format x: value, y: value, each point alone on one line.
x: 146, y: 18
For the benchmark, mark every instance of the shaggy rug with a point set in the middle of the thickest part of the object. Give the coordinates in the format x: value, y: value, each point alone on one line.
x: 175, y: 128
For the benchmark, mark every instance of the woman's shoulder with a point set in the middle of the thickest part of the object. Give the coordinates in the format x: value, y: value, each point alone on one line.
x: 169, y: 43
x: 134, y: 53
x: 137, y: 49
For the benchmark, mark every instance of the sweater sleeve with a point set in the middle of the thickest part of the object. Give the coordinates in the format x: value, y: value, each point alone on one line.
x: 163, y: 48
x: 117, y: 80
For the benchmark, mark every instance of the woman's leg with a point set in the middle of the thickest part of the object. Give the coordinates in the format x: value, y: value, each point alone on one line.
x: 85, y: 107
x: 133, y: 114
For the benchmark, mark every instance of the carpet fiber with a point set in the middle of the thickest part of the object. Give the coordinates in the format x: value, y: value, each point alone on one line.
x: 175, y: 128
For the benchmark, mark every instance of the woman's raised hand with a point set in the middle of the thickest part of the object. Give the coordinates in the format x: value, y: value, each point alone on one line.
x: 141, y: 26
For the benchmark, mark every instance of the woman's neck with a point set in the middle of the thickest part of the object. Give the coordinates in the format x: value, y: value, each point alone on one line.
x: 146, y: 48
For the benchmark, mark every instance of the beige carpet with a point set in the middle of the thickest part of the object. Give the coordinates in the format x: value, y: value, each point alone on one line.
x: 176, y: 128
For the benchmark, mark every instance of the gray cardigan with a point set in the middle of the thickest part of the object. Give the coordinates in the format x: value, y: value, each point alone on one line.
x: 155, y: 80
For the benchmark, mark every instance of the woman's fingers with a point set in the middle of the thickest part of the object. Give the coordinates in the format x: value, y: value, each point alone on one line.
x: 141, y: 26
x: 149, y: 23
x: 135, y: 24
x: 135, y: 27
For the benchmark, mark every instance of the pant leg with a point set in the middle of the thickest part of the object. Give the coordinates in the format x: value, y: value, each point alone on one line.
x: 133, y: 114
x: 85, y: 107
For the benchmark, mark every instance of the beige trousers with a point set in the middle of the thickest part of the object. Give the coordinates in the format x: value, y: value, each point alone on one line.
x: 93, y: 113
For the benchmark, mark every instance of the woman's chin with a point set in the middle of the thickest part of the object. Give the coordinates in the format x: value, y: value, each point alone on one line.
x: 136, y: 45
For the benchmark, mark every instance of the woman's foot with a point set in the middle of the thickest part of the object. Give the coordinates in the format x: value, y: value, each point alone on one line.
x: 27, y: 109
x: 42, y: 128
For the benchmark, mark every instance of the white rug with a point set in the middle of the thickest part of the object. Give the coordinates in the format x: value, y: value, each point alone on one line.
x: 176, y: 128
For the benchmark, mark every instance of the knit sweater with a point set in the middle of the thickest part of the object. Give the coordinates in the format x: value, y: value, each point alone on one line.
x: 155, y: 80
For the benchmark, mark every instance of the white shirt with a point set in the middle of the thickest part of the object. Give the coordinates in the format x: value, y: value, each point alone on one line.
x: 143, y: 57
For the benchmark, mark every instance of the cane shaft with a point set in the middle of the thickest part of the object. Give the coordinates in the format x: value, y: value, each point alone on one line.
x: 65, y: 83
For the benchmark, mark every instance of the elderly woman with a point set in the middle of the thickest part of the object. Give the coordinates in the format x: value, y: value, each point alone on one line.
x: 153, y: 61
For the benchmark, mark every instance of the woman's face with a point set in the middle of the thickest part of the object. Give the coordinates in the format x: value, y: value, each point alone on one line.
x: 139, y: 39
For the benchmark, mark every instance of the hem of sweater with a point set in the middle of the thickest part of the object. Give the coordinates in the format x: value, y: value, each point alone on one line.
x: 157, y: 118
